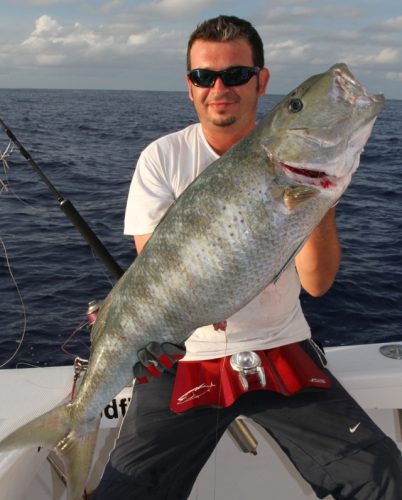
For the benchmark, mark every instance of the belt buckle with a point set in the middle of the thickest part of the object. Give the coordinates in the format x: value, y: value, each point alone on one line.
x: 248, y: 363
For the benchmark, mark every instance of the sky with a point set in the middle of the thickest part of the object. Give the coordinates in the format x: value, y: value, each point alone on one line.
x: 141, y: 45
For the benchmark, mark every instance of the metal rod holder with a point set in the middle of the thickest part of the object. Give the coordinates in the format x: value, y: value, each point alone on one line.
x: 242, y: 436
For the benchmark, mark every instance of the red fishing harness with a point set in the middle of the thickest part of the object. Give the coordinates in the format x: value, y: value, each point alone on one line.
x: 219, y: 382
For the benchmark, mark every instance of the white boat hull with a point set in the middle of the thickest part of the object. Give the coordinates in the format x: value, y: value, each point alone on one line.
x: 374, y: 380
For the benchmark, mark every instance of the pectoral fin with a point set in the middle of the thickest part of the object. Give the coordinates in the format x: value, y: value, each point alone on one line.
x: 292, y: 196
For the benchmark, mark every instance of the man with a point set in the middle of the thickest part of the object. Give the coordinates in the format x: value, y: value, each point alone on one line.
x: 159, y: 453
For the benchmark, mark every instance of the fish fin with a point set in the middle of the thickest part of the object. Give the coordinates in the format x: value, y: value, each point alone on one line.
x: 293, y: 196
x: 54, y: 430
x: 46, y: 430
x: 76, y: 453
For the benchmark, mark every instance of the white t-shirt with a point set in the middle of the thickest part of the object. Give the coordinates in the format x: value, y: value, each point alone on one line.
x: 164, y: 170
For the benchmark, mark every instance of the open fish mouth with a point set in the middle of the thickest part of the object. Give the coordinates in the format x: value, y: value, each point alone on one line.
x: 313, y: 177
x: 303, y: 171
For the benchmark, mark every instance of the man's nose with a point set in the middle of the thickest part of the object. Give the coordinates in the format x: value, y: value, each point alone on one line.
x: 219, y: 84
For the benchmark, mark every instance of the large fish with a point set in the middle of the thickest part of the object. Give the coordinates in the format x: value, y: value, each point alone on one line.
x: 230, y: 234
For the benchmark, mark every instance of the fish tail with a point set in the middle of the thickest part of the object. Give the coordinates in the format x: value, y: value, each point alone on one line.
x: 55, y: 430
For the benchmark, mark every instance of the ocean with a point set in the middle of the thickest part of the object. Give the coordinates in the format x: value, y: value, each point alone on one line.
x: 87, y: 143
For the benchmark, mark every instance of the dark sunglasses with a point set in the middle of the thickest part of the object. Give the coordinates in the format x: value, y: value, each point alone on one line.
x: 238, y: 75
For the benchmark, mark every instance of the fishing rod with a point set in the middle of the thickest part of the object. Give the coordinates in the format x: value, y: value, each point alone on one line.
x: 70, y: 211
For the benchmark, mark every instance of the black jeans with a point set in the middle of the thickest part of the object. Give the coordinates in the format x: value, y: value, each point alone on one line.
x: 332, y: 442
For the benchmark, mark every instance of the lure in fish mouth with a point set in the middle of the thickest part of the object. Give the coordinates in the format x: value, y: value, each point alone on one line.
x: 239, y: 223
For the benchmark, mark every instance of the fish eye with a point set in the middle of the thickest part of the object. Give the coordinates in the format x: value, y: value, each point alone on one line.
x: 295, y: 105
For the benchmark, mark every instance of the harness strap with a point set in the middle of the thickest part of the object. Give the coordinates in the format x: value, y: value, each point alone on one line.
x: 219, y: 382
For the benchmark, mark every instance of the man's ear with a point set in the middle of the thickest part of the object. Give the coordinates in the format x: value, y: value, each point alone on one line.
x: 190, y: 88
x: 263, y: 80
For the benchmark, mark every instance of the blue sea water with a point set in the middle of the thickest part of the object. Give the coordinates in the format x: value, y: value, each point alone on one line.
x: 87, y: 143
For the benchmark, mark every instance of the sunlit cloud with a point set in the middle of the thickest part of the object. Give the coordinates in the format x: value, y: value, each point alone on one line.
x: 385, y: 56
x: 392, y: 24
x: 289, y: 49
x: 172, y: 8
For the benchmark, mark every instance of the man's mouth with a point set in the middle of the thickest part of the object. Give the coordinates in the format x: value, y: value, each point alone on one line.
x: 219, y: 104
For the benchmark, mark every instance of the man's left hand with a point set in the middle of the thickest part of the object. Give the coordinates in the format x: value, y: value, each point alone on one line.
x: 156, y: 358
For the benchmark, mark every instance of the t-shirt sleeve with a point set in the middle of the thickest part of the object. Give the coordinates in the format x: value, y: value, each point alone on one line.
x: 150, y: 193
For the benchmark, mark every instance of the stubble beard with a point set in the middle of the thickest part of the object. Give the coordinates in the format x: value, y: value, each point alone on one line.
x: 224, y: 122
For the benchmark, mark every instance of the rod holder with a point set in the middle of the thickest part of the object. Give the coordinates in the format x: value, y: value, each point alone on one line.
x: 242, y: 436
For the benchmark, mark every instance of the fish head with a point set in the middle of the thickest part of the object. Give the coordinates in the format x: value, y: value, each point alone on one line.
x: 318, y: 132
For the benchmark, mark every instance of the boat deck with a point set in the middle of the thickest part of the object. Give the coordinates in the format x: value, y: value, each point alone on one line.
x: 373, y: 379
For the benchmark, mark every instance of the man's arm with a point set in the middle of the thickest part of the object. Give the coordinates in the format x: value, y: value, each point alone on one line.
x: 318, y: 261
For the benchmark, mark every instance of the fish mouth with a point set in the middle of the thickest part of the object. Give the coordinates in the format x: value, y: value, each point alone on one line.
x: 314, y: 174
x: 312, y: 177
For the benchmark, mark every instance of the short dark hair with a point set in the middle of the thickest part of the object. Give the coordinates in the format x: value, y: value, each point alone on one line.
x: 227, y: 29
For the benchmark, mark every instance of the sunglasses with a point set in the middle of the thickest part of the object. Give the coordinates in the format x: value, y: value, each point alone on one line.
x: 238, y: 75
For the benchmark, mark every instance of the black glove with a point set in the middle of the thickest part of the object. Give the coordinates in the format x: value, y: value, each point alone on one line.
x: 155, y: 358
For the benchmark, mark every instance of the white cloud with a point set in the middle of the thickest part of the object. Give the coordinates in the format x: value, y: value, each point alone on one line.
x: 297, y: 16
x: 383, y: 57
x: 285, y: 15
x: 48, y: 33
x: 44, y: 26
x: 52, y: 44
x: 386, y: 56
x: 46, y: 30
x: 285, y: 51
x: 137, y: 39
x: 109, y: 6
x: 392, y: 24
x: 173, y: 8
x: 45, y: 2
x: 394, y: 75
x: 45, y: 59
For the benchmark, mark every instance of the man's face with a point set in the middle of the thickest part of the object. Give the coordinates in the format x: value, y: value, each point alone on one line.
x: 220, y: 106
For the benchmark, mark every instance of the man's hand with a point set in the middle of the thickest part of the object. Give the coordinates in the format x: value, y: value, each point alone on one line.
x: 155, y: 358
